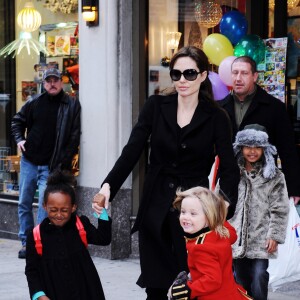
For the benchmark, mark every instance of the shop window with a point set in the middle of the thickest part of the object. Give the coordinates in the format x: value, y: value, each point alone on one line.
x: 7, y: 91
x: 21, y: 77
x: 62, y: 44
x: 170, y: 16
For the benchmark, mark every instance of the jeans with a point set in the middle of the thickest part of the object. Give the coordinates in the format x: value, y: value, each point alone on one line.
x: 31, y: 177
x: 253, y: 276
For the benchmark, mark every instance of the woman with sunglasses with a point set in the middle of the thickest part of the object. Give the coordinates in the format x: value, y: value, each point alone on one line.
x: 186, y: 130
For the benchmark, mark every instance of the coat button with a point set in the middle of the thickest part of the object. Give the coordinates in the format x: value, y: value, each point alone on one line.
x: 174, y: 165
x: 171, y: 185
x: 172, y: 209
x: 183, y: 145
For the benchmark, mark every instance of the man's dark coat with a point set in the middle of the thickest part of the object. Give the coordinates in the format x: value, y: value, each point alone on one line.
x: 270, y: 112
x: 68, y: 128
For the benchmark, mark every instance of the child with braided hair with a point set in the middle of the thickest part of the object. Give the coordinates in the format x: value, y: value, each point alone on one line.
x: 58, y: 264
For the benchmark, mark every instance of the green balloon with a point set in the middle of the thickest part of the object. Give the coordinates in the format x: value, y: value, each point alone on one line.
x: 251, y: 45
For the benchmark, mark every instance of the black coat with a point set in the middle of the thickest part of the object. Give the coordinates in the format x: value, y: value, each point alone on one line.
x: 65, y: 270
x: 270, y: 112
x: 178, y: 158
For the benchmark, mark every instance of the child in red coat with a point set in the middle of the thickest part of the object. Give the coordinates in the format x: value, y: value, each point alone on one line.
x: 208, y: 241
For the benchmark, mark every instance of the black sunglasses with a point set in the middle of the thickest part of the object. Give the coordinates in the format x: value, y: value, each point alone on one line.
x: 189, y: 74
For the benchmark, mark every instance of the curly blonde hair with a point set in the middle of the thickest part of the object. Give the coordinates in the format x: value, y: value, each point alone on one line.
x: 214, y: 207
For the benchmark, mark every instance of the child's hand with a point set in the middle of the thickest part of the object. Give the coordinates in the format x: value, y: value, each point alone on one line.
x: 43, y: 298
x: 271, y: 246
x: 179, y: 290
x: 101, y: 199
x: 98, y: 203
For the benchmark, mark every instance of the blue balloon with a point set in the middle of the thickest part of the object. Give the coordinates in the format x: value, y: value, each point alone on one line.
x: 234, y: 26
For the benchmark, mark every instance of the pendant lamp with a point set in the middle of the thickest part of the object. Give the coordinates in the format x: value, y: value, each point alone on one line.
x: 208, y: 13
x: 29, y: 19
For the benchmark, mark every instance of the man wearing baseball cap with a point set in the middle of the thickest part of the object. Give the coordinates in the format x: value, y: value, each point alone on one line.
x: 47, y: 132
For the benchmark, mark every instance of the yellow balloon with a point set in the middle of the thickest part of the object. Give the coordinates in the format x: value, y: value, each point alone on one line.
x: 217, y: 47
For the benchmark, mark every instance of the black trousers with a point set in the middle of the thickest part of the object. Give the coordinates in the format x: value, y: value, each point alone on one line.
x: 156, y: 294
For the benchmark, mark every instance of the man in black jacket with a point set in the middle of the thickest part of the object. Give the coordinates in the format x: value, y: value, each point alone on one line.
x: 250, y: 104
x: 52, y: 125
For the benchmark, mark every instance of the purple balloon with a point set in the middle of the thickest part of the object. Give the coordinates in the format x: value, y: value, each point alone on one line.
x: 220, y: 90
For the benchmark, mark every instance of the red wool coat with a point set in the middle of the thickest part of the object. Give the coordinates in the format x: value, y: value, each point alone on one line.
x: 210, y: 265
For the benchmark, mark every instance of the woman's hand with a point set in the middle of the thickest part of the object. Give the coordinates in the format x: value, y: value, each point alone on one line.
x: 101, y: 199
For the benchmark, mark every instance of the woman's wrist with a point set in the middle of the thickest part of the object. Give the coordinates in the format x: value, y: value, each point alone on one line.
x: 105, y: 186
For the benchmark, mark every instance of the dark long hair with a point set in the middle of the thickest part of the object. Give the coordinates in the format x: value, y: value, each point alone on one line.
x: 61, y: 182
x: 201, y: 60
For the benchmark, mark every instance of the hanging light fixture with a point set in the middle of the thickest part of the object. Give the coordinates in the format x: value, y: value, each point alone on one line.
x: 25, y: 41
x: 29, y: 19
x: 208, y: 13
x: 173, y: 41
x: 291, y: 4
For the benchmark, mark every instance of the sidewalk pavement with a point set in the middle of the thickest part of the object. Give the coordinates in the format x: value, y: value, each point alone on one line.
x: 118, y: 277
